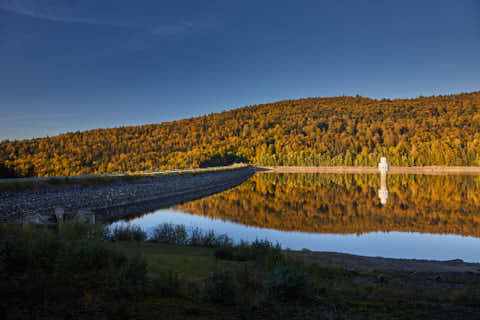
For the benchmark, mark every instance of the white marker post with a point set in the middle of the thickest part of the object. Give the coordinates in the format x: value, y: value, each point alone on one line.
x: 383, y: 193
x: 383, y: 165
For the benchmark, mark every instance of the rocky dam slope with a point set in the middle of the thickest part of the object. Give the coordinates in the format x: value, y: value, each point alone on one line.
x: 114, y: 200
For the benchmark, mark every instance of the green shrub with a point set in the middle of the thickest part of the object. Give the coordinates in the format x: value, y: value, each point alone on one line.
x: 225, y: 253
x: 74, y: 230
x: 261, y: 251
x: 48, y: 268
x: 164, y: 233
x: 167, y: 285
x: 196, y: 237
x: 181, y: 235
x: 241, y: 252
x: 29, y: 249
x: 285, y: 282
x: 127, y: 232
x: 15, y: 255
x: 223, y: 240
x: 209, y: 239
x: 178, y: 234
x: 81, y: 255
x: 45, y: 250
x: 169, y: 233
x: 219, y: 287
x: 131, y: 279
x: 249, y: 277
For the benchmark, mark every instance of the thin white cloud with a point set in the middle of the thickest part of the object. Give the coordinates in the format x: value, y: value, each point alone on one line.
x: 167, y: 30
x: 48, y: 10
x: 51, y: 10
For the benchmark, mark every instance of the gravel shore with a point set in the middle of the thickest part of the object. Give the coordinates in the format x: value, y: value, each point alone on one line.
x: 119, y: 199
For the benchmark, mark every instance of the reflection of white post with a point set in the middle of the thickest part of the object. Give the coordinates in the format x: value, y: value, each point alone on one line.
x: 383, y: 193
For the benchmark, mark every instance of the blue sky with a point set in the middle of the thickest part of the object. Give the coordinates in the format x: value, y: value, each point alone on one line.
x: 77, y: 65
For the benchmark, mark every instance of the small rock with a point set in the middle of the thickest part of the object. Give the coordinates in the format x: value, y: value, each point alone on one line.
x: 380, y: 278
x: 456, y: 261
x: 35, y: 219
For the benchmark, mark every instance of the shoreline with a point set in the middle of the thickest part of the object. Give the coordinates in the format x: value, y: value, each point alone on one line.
x: 426, y: 170
x: 115, y: 200
x: 361, y: 263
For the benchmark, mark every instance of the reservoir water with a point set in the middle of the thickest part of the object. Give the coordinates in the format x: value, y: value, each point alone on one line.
x: 404, y: 216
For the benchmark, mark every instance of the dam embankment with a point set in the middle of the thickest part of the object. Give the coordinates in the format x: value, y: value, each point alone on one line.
x: 117, y: 199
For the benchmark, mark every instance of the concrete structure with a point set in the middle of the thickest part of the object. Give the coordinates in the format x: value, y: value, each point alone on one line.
x: 59, y: 214
x: 83, y: 214
x: 383, y: 165
x: 35, y: 219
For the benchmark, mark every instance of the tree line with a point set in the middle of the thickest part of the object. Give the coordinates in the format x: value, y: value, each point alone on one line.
x: 437, y: 130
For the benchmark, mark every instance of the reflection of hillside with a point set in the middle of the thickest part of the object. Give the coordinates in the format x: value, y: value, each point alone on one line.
x: 349, y: 204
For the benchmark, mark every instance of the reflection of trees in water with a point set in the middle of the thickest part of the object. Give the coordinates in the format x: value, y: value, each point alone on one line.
x: 349, y: 203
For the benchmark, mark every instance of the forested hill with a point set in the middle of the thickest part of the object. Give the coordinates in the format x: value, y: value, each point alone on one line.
x: 439, y: 130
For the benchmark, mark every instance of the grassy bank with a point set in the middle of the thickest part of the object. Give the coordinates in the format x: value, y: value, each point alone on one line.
x: 86, y: 272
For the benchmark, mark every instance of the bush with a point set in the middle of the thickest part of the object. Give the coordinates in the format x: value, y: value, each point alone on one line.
x: 74, y: 230
x: 225, y: 253
x: 181, y: 235
x: 168, y: 233
x: 131, y: 279
x: 81, y: 255
x: 164, y: 233
x: 223, y: 241
x: 167, y: 285
x: 15, y: 255
x: 196, y: 237
x: 261, y: 251
x: 219, y: 287
x: 177, y: 234
x: 46, y: 269
x: 285, y: 283
x: 209, y: 239
x: 28, y: 250
x: 249, y: 277
x: 127, y: 233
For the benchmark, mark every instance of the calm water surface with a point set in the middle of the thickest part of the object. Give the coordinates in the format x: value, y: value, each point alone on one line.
x: 408, y: 216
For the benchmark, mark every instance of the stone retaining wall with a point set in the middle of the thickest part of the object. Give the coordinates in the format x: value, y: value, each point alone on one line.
x: 118, y: 199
